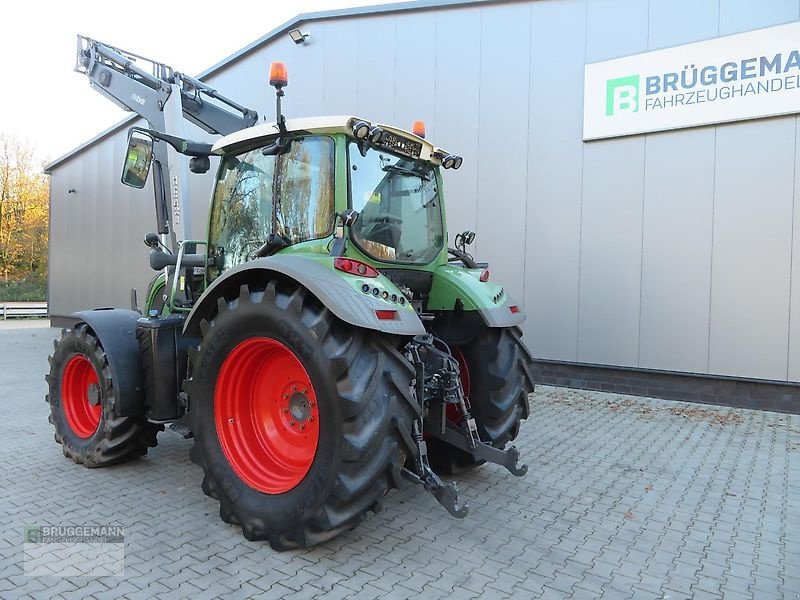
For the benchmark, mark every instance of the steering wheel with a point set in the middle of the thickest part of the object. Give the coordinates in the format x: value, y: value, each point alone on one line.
x: 382, y: 228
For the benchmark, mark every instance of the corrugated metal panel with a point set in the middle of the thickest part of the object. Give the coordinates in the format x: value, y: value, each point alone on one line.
x: 611, y: 218
x: 676, y: 260
x: 555, y: 166
x: 374, y: 60
x: 678, y: 212
x: 456, y: 105
x: 793, y: 367
x: 415, y: 60
x: 751, y: 262
x: 743, y: 15
x: 611, y: 244
x: 503, y: 142
x: 674, y: 22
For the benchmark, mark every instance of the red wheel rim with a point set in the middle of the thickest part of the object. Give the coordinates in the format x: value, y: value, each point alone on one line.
x: 463, y: 370
x: 80, y: 396
x: 266, y: 414
x: 453, y: 413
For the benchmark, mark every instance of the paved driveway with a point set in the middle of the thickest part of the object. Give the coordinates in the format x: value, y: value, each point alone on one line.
x: 625, y: 498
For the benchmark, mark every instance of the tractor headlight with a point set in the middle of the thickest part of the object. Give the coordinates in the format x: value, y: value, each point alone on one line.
x: 457, y: 162
x: 447, y: 161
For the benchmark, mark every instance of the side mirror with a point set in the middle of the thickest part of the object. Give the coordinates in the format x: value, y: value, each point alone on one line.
x: 151, y: 240
x: 137, y: 159
x: 199, y: 164
x: 348, y: 217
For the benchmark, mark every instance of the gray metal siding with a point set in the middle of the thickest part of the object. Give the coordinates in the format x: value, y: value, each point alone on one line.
x: 673, y: 251
x: 611, y: 216
x: 611, y: 245
x: 793, y: 366
x: 742, y: 15
x: 674, y: 22
x: 555, y: 184
x: 456, y: 110
x: 676, y: 251
x: 502, y: 160
x: 752, y: 236
x: 677, y: 217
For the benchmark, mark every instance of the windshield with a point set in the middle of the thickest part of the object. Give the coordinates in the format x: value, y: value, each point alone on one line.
x: 290, y: 194
x: 400, y: 216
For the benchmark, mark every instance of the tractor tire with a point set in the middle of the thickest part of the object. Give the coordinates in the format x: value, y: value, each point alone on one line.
x: 301, y: 422
x: 80, y: 395
x: 496, y: 376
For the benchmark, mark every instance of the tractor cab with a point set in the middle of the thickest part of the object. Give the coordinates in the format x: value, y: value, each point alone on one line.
x: 389, y: 178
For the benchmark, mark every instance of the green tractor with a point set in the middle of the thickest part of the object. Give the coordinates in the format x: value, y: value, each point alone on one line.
x: 321, y: 345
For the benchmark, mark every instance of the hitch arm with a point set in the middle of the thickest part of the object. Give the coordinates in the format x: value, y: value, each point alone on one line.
x: 508, y: 458
x: 446, y: 494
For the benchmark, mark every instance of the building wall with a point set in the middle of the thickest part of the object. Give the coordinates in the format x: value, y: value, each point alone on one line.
x: 667, y: 251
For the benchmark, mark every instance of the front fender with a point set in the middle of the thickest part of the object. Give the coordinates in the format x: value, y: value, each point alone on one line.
x: 338, y: 291
x: 116, y: 330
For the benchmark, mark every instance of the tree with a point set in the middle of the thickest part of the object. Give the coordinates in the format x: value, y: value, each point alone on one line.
x: 23, y: 212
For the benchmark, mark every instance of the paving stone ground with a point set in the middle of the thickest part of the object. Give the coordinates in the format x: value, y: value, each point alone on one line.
x: 625, y: 498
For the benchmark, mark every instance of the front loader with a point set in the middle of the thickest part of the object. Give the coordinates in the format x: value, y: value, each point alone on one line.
x: 321, y: 344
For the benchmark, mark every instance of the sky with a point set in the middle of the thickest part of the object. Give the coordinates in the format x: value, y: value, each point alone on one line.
x: 45, y: 103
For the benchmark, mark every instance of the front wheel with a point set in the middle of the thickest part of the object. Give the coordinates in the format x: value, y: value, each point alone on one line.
x: 81, y: 392
x: 298, y: 418
x: 495, y: 370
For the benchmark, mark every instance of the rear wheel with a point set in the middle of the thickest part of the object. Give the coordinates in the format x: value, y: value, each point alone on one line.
x: 81, y: 392
x: 299, y: 419
x: 496, y: 377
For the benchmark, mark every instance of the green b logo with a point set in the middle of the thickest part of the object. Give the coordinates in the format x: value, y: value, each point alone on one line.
x: 622, y: 95
x: 32, y: 534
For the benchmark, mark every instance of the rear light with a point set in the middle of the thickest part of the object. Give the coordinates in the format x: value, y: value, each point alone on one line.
x: 485, y: 275
x: 354, y: 267
x: 386, y: 315
x: 514, y: 308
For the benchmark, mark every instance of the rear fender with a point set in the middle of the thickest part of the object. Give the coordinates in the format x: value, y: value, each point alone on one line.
x: 460, y: 286
x: 339, y: 292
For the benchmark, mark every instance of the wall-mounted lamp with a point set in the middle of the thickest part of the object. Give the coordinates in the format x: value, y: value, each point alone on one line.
x: 298, y: 37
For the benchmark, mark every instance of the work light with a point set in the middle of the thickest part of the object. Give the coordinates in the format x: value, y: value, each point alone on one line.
x: 375, y: 134
x: 360, y: 129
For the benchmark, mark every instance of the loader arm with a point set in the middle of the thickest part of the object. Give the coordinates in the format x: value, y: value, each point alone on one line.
x: 166, y: 99
x: 136, y: 90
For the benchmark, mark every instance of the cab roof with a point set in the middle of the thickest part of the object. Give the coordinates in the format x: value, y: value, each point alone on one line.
x: 320, y: 125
